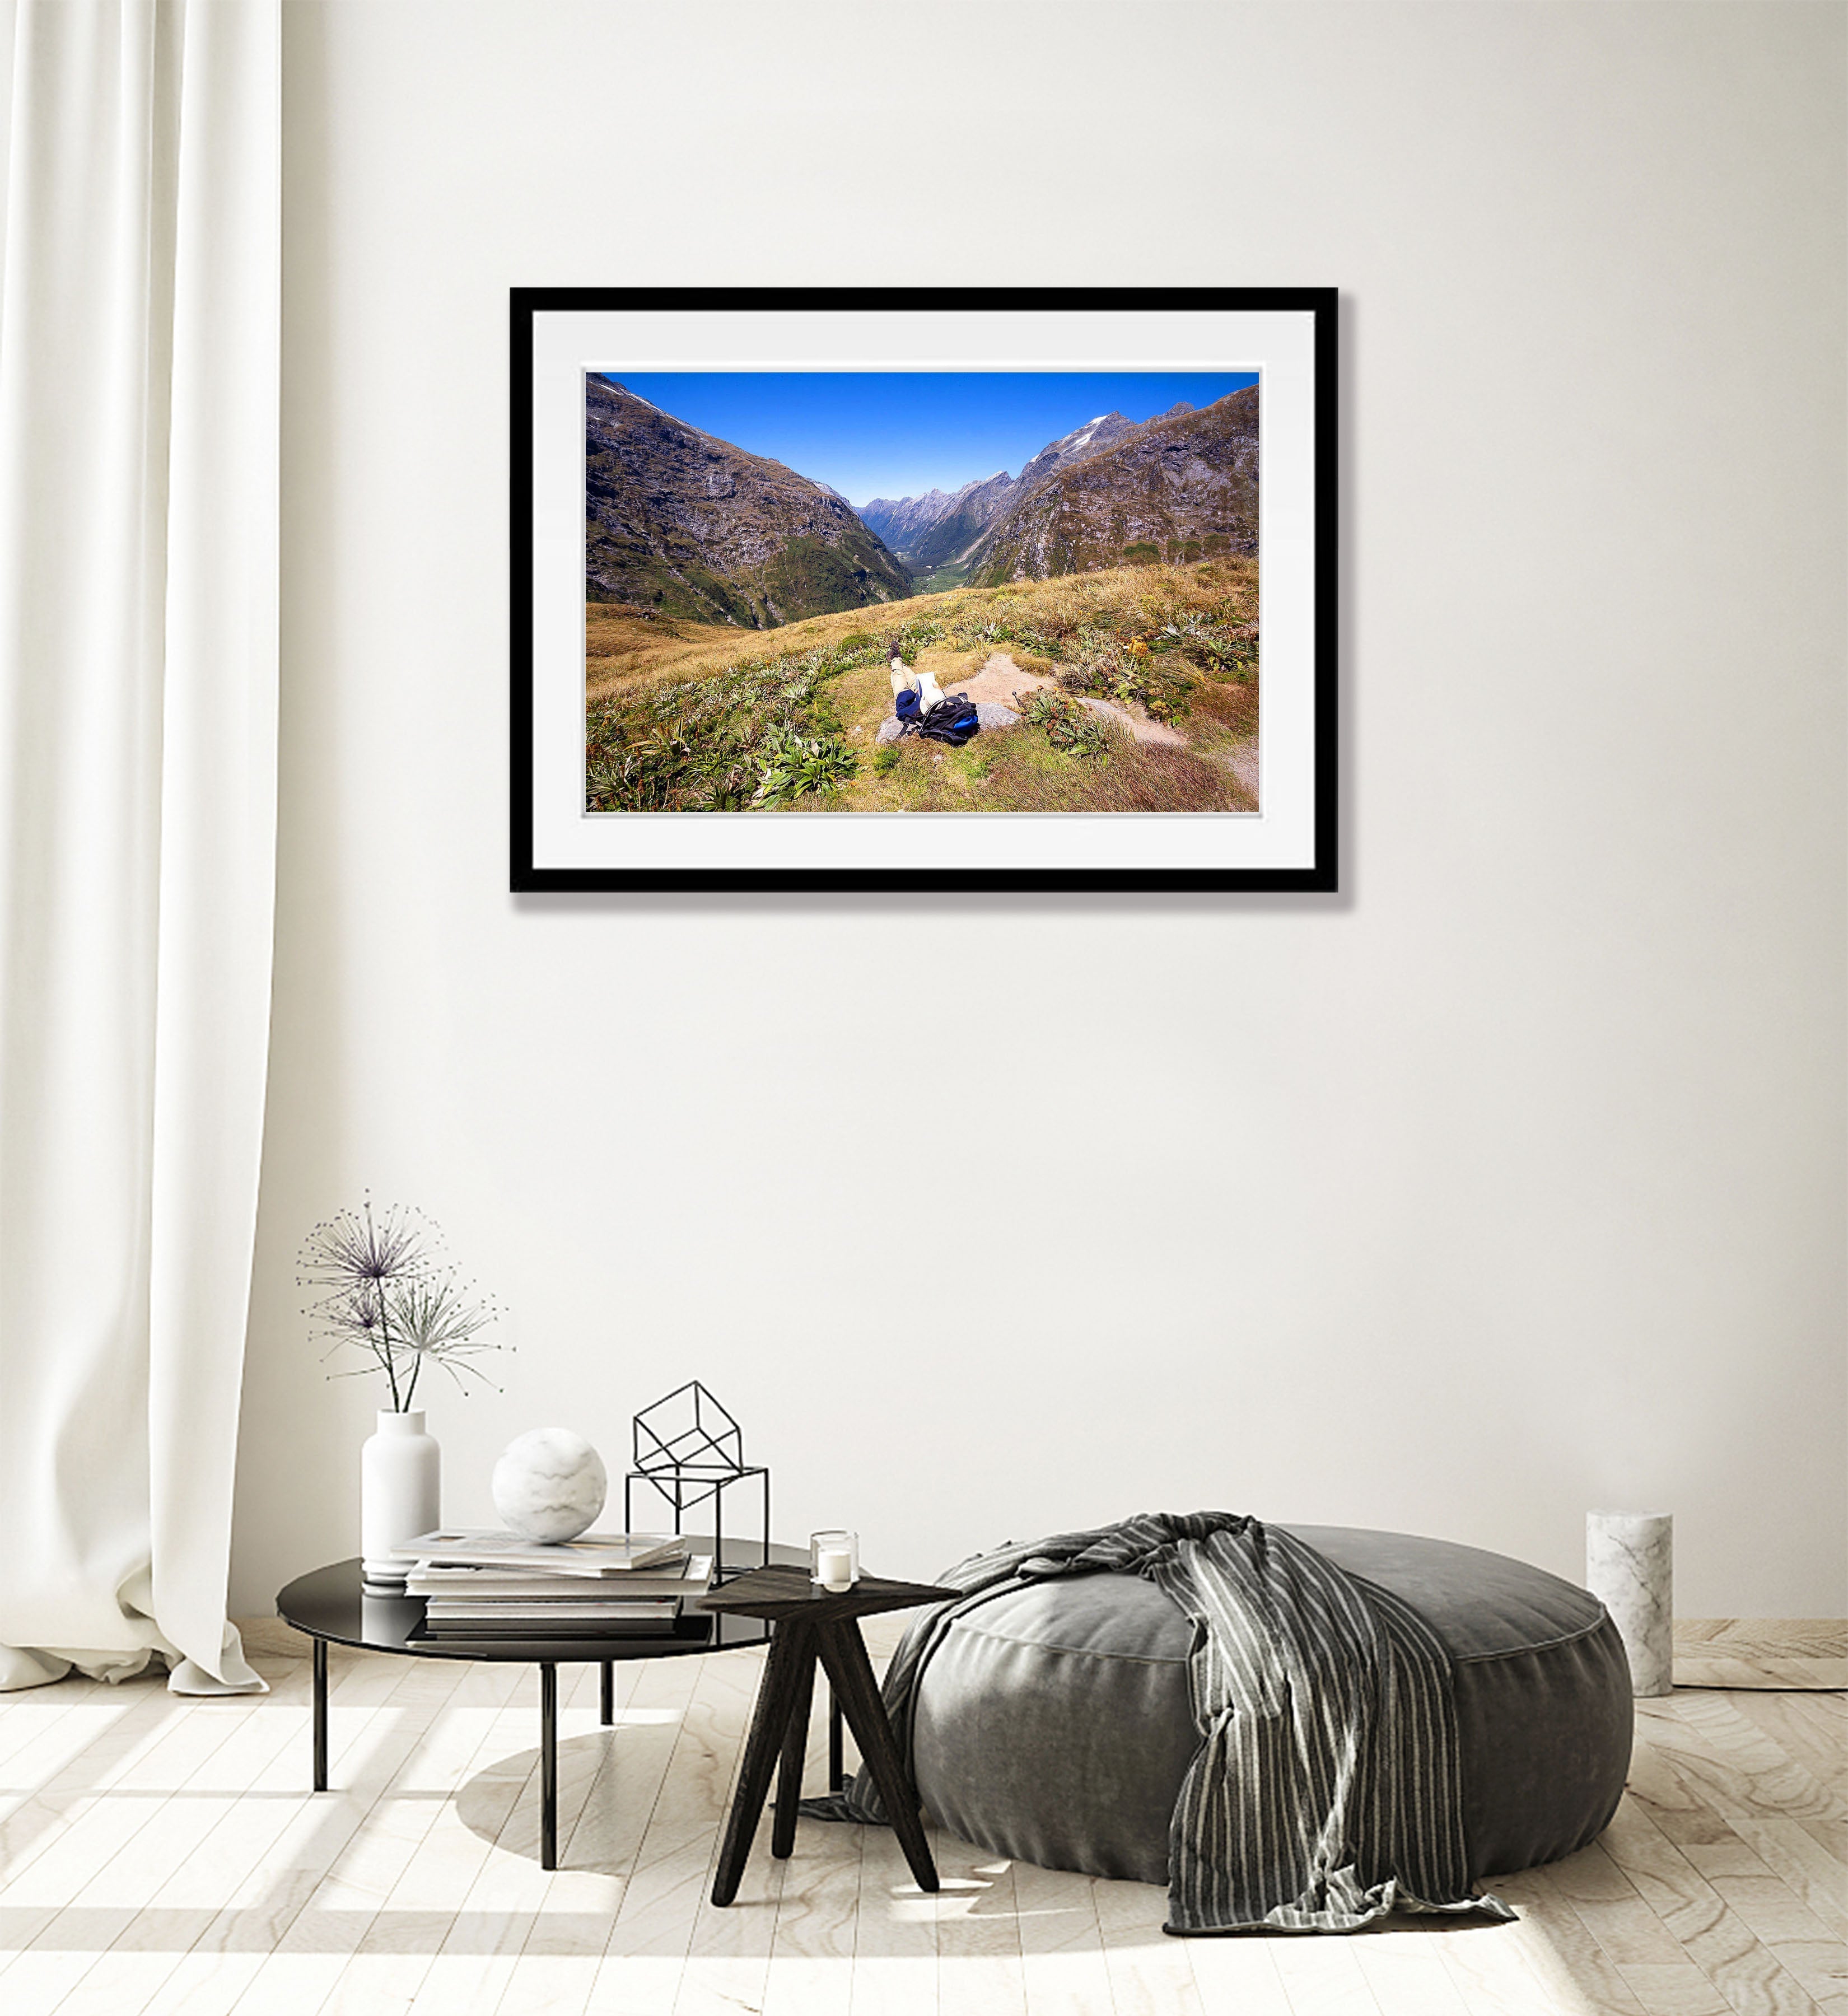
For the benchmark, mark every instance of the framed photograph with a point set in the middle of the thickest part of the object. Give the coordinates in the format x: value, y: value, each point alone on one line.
x: 930, y: 590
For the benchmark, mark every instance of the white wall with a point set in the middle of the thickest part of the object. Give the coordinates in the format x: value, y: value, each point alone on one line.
x: 1507, y: 1184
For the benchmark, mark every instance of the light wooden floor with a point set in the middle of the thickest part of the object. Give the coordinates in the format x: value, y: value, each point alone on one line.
x: 161, y: 1855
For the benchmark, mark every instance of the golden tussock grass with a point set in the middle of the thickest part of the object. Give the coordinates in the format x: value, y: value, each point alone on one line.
x: 1230, y: 704
x: 624, y: 649
x: 1020, y: 772
x: 621, y: 648
x: 1191, y: 626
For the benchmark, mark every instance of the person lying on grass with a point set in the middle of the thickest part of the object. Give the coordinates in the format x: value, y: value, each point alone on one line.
x: 923, y: 684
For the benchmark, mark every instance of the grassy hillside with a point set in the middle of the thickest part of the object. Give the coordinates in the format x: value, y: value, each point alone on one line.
x: 697, y: 717
x: 698, y: 528
x: 672, y: 571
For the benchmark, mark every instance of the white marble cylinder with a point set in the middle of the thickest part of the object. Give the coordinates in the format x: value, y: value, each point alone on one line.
x: 1629, y: 1566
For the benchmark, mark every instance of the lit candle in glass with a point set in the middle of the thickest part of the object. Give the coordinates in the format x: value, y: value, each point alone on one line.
x: 834, y: 1560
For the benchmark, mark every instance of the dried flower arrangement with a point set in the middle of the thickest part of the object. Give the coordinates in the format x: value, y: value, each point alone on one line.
x: 386, y: 1289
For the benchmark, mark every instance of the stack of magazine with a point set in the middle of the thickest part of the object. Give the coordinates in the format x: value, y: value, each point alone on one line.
x: 486, y: 1586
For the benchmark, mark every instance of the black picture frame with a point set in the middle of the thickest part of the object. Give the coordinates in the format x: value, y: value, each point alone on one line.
x: 1317, y: 872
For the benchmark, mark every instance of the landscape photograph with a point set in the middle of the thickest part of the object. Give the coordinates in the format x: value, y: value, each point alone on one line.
x: 988, y: 592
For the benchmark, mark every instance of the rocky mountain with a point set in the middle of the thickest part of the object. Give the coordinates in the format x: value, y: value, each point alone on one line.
x: 1179, y: 486
x: 692, y: 526
x: 972, y: 510
x: 897, y: 520
x: 937, y: 527
x: 1074, y: 447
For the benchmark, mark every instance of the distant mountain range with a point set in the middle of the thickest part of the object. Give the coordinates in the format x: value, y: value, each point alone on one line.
x: 688, y: 524
x: 1174, y: 488
x: 685, y: 523
x: 926, y: 531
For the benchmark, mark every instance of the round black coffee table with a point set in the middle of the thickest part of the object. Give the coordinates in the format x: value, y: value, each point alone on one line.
x: 332, y: 1606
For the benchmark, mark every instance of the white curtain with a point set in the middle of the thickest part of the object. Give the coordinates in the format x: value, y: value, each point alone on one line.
x: 139, y: 382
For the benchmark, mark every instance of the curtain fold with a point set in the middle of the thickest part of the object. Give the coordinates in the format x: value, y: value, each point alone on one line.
x: 139, y: 412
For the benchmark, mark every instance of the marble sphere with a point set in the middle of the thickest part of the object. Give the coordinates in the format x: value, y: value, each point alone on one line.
x: 549, y: 1484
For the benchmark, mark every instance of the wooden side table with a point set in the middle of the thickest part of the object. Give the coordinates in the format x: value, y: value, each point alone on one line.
x: 811, y: 1624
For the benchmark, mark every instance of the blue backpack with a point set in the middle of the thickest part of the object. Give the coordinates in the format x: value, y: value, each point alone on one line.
x: 953, y: 720
x: 905, y: 707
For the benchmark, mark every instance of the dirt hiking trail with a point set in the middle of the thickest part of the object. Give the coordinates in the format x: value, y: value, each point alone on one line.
x: 1002, y: 681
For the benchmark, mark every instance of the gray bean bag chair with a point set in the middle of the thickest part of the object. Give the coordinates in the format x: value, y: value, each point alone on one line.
x: 1054, y: 1725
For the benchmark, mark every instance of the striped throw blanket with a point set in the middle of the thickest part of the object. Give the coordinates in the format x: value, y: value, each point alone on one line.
x: 1326, y: 1789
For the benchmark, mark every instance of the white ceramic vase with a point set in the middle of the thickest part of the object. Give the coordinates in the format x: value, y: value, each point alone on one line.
x: 401, y: 1472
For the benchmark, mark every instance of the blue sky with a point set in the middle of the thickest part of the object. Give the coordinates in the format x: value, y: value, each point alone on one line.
x: 898, y: 434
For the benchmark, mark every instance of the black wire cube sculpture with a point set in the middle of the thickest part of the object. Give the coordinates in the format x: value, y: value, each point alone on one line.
x: 688, y: 1448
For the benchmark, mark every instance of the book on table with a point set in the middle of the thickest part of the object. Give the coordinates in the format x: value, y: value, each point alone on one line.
x: 553, y: 1621
x: 483, y: 1600
x: 589, y: 1554
x: 689, y: 1576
